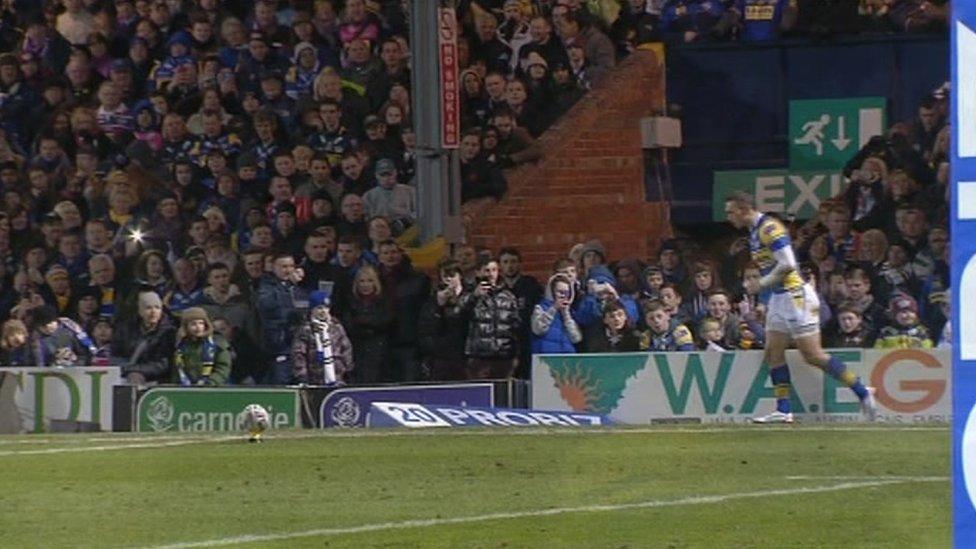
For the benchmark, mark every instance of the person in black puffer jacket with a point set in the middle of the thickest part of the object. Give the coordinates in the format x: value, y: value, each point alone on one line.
x: 493, y: 323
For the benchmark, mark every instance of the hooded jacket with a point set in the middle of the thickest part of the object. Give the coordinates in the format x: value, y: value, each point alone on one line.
x: 204, y: 361
x: 552, y: 331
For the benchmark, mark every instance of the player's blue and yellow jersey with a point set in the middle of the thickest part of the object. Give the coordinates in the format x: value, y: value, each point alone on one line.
x: 767, y: 236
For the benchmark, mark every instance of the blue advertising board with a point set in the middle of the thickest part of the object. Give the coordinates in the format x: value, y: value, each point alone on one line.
x: 963, y: 221
x: 405, y: 414
x: 348, y: 407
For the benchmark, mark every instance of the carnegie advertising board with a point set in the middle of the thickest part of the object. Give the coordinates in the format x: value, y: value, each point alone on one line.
x: 912, y: 386
x: 349, y: 406
x: 74, y: 394
x: 202, y: 409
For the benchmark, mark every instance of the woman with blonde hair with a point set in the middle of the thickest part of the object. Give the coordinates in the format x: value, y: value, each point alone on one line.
x: 369, y: 321
x: 324, y: 85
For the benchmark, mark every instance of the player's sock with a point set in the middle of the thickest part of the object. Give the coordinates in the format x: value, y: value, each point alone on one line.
x: 780, y: 376
x: 838, y: 370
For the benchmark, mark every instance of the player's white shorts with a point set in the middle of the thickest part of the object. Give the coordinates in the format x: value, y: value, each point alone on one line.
x: 797, y: 314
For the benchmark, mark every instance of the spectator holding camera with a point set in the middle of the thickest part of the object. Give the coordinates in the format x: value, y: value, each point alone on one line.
x: 407, y: 290
x: 601, y: 289
x: 865, y: 195
x: 492, y: 311
x: 553, y: 328
x: 441, y: 326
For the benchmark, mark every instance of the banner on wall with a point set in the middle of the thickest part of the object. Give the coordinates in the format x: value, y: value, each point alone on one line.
x: 41, y: 395
x: 206, y: 409
x: 349, y: 406
x: 782, y: 191
x: 635, y: 388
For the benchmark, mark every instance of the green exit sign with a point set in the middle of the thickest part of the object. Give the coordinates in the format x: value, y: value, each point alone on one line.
x: 826, y: 133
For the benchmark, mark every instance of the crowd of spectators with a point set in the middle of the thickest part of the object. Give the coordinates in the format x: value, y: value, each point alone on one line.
x: 210, y: 193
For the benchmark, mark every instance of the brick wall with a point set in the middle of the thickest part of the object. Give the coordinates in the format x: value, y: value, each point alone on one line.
x: 590, y: 183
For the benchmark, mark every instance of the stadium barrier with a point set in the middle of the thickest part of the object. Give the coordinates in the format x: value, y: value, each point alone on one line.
x: 31, y: 398
x: 913, y: 386
x: 216, y: 409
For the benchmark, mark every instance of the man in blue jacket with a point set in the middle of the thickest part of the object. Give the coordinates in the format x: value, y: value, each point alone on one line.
x: 277, y: 302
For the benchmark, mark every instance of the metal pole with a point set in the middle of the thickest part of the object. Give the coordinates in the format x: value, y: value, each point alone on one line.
x: 438, y: 175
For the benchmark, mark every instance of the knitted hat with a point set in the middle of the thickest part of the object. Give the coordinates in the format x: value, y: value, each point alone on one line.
x: 56, y: 271
x: 385, y: 165
x: 193, y: 313
x: 535, y: 59
x: 594, y: 246
x: 320, y: 298
x: 188, y: 316
x: 246, y: 160
x: 149, y: 299
x: 181, y: 37
x: 669, y: 245
x: 902, y: 303
x: 44, y: 314
x: 299, y: 47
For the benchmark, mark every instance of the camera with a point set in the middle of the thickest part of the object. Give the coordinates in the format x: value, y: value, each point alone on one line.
x: 441, y: 286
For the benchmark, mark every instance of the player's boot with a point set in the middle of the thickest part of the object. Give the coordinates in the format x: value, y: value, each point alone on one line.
x: 775, y: 417
x: 869, y: 406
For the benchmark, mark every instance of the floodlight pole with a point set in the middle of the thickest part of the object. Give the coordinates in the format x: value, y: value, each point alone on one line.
x: 436, y: 96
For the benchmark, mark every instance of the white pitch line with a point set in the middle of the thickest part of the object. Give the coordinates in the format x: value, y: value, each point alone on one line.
x: 180, y: 440
x: 556, y: 431
x: 111, y: 447
x: 866, y: 478
x: 427, y: 523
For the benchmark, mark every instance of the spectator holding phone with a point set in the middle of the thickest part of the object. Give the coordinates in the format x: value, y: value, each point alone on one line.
x: 553, y: 328
x: 492, y: 310
x: 441, y: 328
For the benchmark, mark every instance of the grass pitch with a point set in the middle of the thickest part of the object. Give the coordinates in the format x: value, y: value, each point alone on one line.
x: 800, y: 486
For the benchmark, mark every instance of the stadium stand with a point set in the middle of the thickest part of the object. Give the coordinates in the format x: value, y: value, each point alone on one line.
x: 179, y: 179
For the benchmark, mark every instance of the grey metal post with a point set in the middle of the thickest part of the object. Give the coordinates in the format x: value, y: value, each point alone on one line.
x: 438, y: 191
